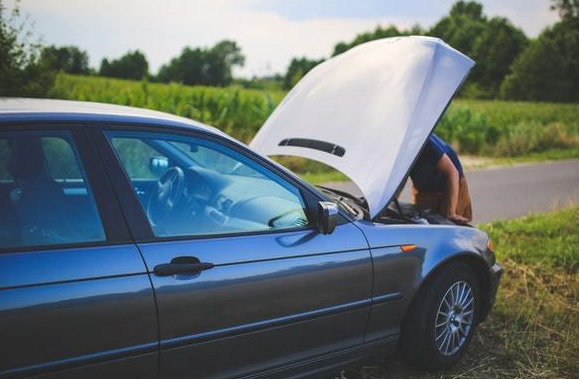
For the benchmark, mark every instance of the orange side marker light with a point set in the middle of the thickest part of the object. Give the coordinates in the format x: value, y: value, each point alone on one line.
x: 407, y: 247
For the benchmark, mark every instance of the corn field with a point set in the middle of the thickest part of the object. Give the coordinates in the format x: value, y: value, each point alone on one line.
x: 483, y: 127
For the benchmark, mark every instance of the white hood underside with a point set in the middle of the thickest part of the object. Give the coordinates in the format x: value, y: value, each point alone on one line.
x: 367, y: 112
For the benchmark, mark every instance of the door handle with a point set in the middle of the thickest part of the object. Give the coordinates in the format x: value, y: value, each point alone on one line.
x: 182, y: 265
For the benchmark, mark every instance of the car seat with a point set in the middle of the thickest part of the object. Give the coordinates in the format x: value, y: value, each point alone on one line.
x: 38, y: 200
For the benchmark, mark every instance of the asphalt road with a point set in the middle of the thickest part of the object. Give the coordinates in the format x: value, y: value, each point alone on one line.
x: 510, y: 192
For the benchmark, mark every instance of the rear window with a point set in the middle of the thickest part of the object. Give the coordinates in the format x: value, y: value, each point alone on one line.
x: 44, y: 196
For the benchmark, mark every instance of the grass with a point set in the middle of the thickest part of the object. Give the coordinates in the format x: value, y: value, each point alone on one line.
x: 318, y: 178
x: 547, y: 155
x: 500, y: 112
x: 533, y: 330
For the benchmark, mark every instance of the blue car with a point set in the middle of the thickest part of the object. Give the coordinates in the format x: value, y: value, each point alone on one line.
x: 139, y: 244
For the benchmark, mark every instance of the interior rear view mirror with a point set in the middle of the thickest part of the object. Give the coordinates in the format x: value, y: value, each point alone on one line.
x: 158, y: 165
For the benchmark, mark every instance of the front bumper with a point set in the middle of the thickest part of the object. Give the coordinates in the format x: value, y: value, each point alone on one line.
x: 495, y: 274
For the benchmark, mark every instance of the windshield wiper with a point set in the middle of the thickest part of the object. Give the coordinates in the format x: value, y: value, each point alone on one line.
x: 348, y: 208
x: 359, y: 201
x: 341, y: 198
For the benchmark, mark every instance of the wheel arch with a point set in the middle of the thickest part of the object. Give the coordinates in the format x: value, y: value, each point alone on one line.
x: 480, y: 268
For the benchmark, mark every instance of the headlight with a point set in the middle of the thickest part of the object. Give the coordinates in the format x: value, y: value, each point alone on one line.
x: 490, y: 245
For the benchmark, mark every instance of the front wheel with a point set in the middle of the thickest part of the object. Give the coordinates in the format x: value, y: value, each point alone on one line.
x: 441, y: 319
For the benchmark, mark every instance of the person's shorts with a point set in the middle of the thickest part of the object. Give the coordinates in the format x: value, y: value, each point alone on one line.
x: 438, y: 202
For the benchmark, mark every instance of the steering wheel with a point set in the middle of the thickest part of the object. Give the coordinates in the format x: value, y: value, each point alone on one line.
x: 168, y: 194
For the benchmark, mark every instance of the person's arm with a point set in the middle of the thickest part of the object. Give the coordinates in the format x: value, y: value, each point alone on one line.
x: 446, y: 166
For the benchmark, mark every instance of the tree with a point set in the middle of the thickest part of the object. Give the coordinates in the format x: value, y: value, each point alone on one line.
x: 20, y: 70
x: 461, y: 28
x: 538, y: 74
x: 68, y: 59
x: 495, y: 49
x: 297, y: 69
x: 132, y: 65
x: 188, y: 68
x: 548, y: 69
x: 221, y: 59
x: 568, y: 10
x: 340, y: 48
x: 205, y: 66
x: 379, y: 32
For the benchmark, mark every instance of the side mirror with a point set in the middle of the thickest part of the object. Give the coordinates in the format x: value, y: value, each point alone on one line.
x: 158, y: 165
x: 327, y: 217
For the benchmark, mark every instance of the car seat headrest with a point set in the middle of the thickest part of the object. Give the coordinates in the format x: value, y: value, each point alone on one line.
x: 26, y: 159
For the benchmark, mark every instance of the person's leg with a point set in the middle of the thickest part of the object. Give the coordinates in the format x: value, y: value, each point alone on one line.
x: 464, y: 205
x: 438, y: 202
x: 432, y: 201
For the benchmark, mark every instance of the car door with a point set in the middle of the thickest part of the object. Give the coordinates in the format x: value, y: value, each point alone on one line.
x: 75, y: 297
x: 244, y: 281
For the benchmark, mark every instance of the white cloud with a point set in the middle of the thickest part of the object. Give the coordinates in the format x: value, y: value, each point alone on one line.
x: 530, y: 15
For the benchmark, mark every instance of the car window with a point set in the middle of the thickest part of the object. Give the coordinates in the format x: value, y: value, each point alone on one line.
x: 44, y: 196
x: 207, y: 157
x: 59, y: 154
x: 200, y: 187
x: 133, y: 153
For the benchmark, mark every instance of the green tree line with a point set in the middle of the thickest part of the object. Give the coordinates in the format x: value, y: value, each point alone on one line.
x: 28, y: 68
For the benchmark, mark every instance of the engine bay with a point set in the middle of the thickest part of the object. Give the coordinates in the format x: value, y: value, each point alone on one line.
x: 396, y: 212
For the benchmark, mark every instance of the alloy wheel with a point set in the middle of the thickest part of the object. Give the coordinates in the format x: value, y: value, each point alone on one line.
x: 454, y: 318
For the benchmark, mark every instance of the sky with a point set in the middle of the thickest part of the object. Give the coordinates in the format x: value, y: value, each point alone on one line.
x: 270, y: 32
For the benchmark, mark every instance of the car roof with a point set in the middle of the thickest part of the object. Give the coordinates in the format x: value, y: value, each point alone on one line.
x: 23, y: 109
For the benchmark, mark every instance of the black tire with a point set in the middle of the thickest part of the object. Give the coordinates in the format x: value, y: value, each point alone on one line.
x: 418, y: 343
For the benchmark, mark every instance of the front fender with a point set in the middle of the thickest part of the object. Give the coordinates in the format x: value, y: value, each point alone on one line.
x: 398, y: 275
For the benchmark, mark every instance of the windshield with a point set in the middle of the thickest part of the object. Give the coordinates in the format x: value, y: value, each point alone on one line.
x: 208, y: 158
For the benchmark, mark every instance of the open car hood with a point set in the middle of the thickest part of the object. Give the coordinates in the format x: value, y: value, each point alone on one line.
x: 368, y: 112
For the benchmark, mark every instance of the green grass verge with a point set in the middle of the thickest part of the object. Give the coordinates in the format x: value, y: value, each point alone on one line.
x: 548, y: 241
x: 533, y: 330
x: 548, y: 155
